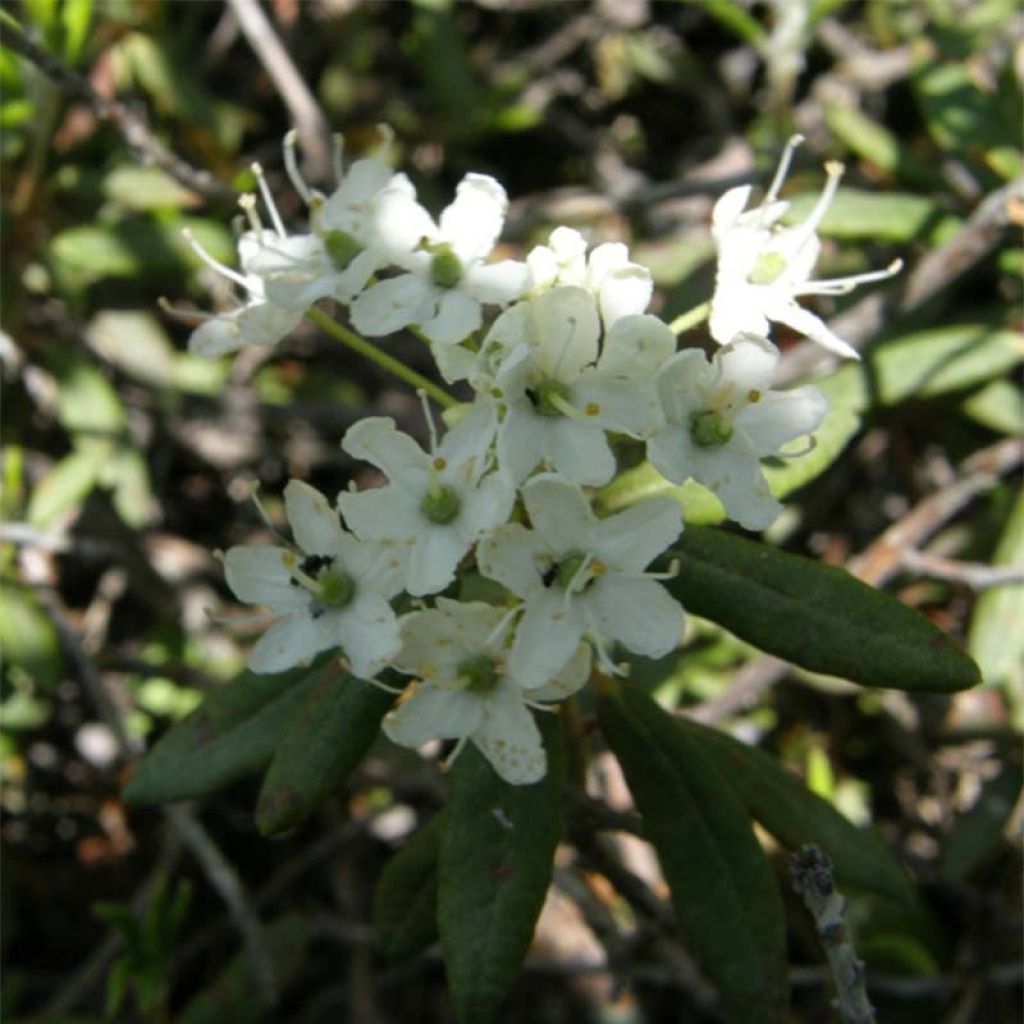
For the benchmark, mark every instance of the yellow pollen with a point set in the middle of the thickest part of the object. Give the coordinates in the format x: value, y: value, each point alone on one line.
x: 439, y: 464
x: 753, y: 395
x: 592, y: 408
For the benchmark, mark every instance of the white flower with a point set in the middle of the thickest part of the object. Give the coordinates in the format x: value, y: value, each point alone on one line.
x: 561, y: 395
x: 464, y: 690
x: 440, y: 501
x: 334, y: 594
x: 723, y: 418
x: 446, y: 279
x: 575, y: 572
x: 763, y: 268
x: 256, y: 322
x: 340, y: 256
x: 619, y: 286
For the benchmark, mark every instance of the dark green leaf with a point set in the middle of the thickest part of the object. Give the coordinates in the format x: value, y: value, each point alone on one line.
x: 233, y: 733
x: 723, y: 890
x: 232, y: 998
x: 325, y: 740
x: 494, y: 869
x: 817, y: 616
x: 405, y: 901
x: 794, y: 815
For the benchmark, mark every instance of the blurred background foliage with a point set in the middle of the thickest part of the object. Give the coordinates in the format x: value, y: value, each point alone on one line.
x: 127, y: 463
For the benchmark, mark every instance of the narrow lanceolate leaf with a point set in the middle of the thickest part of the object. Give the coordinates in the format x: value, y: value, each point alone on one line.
x: 326, y: 738
x: 817, y: 616
x: 723, y: 889
x: 233, y: 733
x: 495, y: 865
x: 405, y: 902
x: 787, y: 809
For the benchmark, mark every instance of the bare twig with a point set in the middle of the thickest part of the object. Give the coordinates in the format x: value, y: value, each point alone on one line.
x: 135, y: 132
x: 882, y: 559
x: 220, y: 874
x: 305, y: 112
x: 812, y: 879
x: 747, y: 685
x: 976, y: 575
x: 976, y: 238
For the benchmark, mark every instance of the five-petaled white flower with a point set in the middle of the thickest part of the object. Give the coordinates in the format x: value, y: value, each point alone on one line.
x: 333, y: 593
x: 561, y: 395
x: 763, y: 268
x: 723, y: 418
x: 575, y: 572
x: 447, y: 279
x: 619, y: 286
x: 439, y: 501
x: 464, y: 690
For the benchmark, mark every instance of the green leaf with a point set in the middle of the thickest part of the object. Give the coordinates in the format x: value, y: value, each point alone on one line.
x: 996, y: 634
x: 999, y: 405
x: 858, y: 214
x: 146, y: 188
x: 405, y: 900
x: 644, y: 481
x: 817, y: 616
x: 66, y: 485
x: 978, y: 832
x: 942, y: 360
x: 781, y: 802
x: 325, y: 740
x: 233, y: 733
x: 86, y: 401
x: 232, y: 997
x: 723, y: 889
x: 494, y: 869
x: 75, y: 17
x: 732, y: 16
x: 135, y: 342
x: 127, y: 473
x: 28, y: 637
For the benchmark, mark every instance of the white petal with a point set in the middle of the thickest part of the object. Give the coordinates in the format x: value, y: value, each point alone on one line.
x: 805, y: 322
x: 748, y: 364
x: 400, y: 224
x: 734, y: 473
x: 736, y: 310
x: 632, y: 539
x: 781, y: 416
x: 728, y: 208
x: 580, y: 451
x: 681, y: 384
x: 498, y: 283
x: 259, y: 575
x: 473, y: 221
x: 378, y: 441
x: 509, y: 738
x: 570, y: 680
x: 456, y: 317
x: 671, y: 452
x: 640, y: 614
x: 625, y: 292
x: 487, y: 506
x: 378, y: 566
x: 294, y: 640
x: 521, y: 441
x: 560, y: 514
x: 390, y: 305
x: 637, y: 346
x: 625, y: 405
x: 465, y: 447
x: 435, y: 556
x: 510, y: 556
x: 546, y: 638
x: 369, y: 633
x: 430, y: 713
x: 566, y: 328
x: 314, y: 523
x: 383, y: 513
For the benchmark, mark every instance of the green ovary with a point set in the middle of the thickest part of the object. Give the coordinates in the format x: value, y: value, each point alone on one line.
x: 445, y: 267
x: 768, y: 268
x: 710, y: 429
x: 440, y: 505
x: 547, y: 395
x: 342, y: 248
x: 336, y: 588
x: 480, y: 673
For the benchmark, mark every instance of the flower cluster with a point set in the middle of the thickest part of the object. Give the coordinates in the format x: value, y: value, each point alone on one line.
x: 570, y: 368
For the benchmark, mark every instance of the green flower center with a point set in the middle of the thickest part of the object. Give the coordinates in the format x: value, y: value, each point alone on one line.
x: 710, y: 429
x: 440, y: 504
x: 563, y: 573
x: 547, y: 396
x: 445, y: 267
x: 768, y: 268
x: 480, y: 673
x: 342, y: 248
x: 336, y: 588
